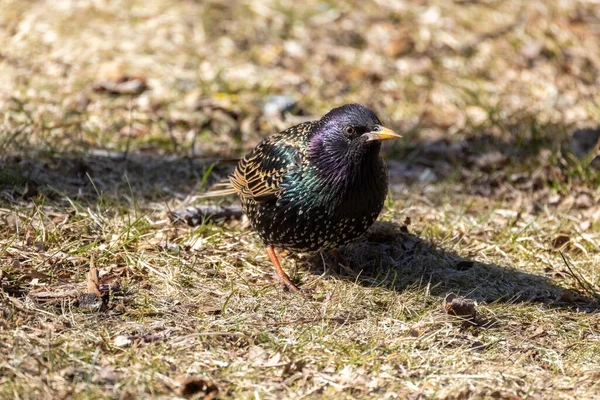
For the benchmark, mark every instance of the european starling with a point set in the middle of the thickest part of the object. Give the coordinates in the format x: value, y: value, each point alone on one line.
x: 315, y: 186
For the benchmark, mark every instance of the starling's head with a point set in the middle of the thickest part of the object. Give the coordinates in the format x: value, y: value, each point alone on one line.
x: 350, y: 134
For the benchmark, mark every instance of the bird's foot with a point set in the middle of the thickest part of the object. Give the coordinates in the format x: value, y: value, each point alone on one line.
x: 280, y: 272
x: 340, y: 261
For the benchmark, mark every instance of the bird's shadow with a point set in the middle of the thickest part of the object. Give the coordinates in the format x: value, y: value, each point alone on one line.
x: 102, y: 176
x: 389, y: 256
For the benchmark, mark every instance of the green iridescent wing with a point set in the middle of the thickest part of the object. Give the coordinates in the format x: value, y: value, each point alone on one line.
x: 259, y: 174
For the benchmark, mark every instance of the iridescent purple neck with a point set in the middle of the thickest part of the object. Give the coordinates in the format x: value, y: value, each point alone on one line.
x: 340, y: 162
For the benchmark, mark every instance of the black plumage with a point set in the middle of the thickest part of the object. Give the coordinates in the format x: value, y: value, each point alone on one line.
x: 317, y: 185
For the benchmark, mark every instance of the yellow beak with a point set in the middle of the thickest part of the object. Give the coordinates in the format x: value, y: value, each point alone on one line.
x: 382, y: 133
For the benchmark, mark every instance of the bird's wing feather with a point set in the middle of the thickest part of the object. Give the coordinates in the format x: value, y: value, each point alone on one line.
x: 259, y: 174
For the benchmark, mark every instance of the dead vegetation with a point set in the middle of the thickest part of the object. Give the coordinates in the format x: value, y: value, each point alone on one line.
x: 481, y: 279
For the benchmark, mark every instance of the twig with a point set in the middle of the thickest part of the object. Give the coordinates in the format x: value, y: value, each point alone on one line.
x: 587, y: 286
x: 301, y: 321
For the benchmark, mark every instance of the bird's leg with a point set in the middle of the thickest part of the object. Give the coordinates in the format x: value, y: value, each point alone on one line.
x: 337, y: 256
x: 339, y: 260
x: 280, y: 272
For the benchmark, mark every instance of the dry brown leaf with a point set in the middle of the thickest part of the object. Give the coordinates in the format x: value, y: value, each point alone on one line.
x: 416, y: 332
x: 124, y: 85
x: 127, y: 395
x: 537, y: 332
x: 60, y: 219
x: 198, y: 387
x: 459, y: 306
x: 93, y: 297
x: 560, y: 241
x: 93, y: 279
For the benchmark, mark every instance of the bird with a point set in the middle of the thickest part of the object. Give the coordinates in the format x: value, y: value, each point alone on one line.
x: 314, y: 186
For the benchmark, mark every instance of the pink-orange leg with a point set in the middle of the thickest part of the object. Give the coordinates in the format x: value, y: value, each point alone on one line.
x: 335, y: 253
x: 340, y: 261
x: 338, y: 258
x: 280, y: 272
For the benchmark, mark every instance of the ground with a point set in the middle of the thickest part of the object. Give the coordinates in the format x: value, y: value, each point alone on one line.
x: 114, y: 112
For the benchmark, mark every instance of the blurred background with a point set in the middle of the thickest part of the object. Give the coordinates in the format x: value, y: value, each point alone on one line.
x: 473, y: 86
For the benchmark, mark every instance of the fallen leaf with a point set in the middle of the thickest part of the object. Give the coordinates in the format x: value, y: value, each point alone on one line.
x: 416, y: 332
x: 93, y: 298
x: 199, y: 387
x: 124, y: 85
x: 539, y: 331
x: 571, y: 296
x: 93, y: 279
x: 459, y: 306
x: 127, y: 395
x: 60, y: 218
x: 560, y: 241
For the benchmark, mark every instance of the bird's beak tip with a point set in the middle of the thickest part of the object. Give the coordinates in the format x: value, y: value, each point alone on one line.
x: 382, y: 133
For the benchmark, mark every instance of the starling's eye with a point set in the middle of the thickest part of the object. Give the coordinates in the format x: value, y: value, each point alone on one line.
x: 350, y: 131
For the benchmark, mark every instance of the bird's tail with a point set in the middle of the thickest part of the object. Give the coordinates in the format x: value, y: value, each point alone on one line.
x: 217, y: 193
x: 219, y: 189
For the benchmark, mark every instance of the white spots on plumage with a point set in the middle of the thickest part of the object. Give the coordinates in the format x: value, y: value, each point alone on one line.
x: 304, y: 220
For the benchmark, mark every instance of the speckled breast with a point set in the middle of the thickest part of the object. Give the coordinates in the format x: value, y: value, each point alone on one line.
x: 302, y: 228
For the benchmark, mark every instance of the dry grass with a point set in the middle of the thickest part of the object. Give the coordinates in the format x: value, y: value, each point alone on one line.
x: 487, y: 196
